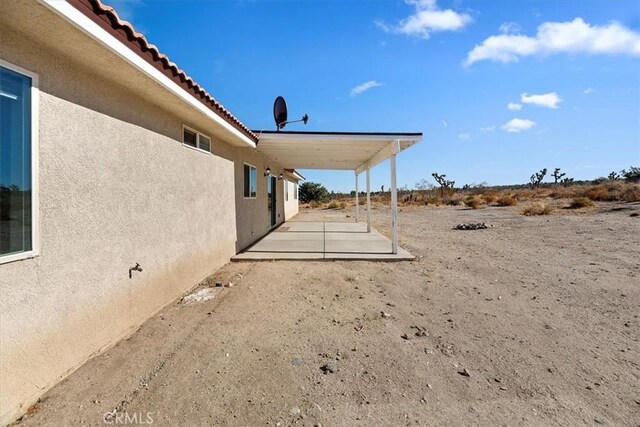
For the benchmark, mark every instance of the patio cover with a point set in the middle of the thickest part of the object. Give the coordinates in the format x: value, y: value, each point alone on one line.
x: 357, y: 151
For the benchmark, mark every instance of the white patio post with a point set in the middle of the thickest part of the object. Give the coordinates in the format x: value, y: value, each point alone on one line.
x: 368, y: 201
x: 357, y: 204
x: 394, y: 199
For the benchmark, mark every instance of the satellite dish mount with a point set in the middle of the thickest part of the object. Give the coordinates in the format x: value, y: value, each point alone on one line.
x: 280, y: 114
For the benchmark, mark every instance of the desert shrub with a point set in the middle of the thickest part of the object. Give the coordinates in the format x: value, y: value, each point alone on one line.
x: 333, y: 205
x: 312, y: 191
x: 631, y: 193
x: 362, y: 200
x: 506, y: 200
x: 433, y: 200
x: 473, y: 202
x: 452, y: 201
x: 343, y: 205
x: 581, y: 202
x: 599, y: 192
x: 315, y: 204
x: 562, y: 193
x: 537, y: 208
x: 489, y: 197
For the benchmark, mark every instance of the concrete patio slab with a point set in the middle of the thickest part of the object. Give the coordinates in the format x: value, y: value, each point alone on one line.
x: 321, y: 240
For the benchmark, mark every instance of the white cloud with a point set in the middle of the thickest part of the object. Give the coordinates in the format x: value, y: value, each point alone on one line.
x: 445, y: 123
x: 464, y: 136
x: 574, y: 36
x: 510, y: 28
x: 588, y: 90
x: 549, y: 100
x: 488, y: 128
x: 518, y: 125
x: 361, y: 88
x: 514, y: 106
x: 427, y: 18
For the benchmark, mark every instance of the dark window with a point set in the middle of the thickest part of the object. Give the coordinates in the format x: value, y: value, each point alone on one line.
x: 250, y: 181
x: 15, y: 163
x: 190, y: 138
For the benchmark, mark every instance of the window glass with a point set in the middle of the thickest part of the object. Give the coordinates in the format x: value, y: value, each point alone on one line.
x: 190, y: 138
x: 15, y: 162
x: 254, y: 182
x: 250, y: 181
x: 247, y: 179
x: 295, y: 191
x: 204, y: 143
x: 286, y: 190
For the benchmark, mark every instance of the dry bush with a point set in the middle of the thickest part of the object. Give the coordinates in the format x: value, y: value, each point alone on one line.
x: 489, y: 197
x: 581, y: 202
x: 315, y: 204
x: 333, y: 205
x: 563, y: 193
x: 599, y: 192
x: 506, y: 200
x: 537, y: 208
x: 343, y: 205
x: 631, y: 193
x: 452, y: 201
x: 433, y: 200
x: 362, y: 200
x: 473, y: 202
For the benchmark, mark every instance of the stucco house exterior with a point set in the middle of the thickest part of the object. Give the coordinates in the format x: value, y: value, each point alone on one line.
x: 110, y: 156
x: 123, y: 183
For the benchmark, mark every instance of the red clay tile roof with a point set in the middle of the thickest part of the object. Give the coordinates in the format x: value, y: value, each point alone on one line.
x: 108, y: 19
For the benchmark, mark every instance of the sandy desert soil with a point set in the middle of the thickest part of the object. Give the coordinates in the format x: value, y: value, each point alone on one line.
x: 541, y: 312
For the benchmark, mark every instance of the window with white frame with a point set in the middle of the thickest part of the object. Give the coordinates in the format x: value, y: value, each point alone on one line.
x: 195, y: 139
x: 18, y: 161
x: 250, y: 181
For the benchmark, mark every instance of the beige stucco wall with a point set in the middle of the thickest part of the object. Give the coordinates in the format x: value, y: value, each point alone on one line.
x: 291, y: 205
x: 117, y: 187
x: 252, y: 218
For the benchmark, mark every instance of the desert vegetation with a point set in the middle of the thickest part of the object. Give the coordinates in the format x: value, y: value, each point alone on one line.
x: 538, y: 195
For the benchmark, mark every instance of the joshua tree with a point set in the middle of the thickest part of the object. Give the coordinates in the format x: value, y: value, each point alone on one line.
x: 557, y: 176
x: 631, y: 175
x: 537, y: 178
x: 382, y: 189
x: 443, y: 181
x: 613, y: 176
x: 567, y: 182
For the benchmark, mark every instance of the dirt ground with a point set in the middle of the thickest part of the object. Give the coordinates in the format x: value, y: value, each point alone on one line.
x: 542, y: 313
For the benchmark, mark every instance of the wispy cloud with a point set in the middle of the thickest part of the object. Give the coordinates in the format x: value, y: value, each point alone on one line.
x: 445, y: 123
x: 488, y: 128
x: 588, y: 90
x: 518, y: 125
x: 361, y: 88
x: 509, y: 28
x: 427, y: 18
x: 575, y: 36
x: 514, y: 106
x: 464, y: 136
x: 548, y: 100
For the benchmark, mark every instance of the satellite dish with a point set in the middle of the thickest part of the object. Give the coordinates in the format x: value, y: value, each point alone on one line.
x: 280, y: 112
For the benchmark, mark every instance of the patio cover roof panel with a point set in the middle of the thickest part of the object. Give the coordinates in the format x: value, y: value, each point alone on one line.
x: 332, y: 150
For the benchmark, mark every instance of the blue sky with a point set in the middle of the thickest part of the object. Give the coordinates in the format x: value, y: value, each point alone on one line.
x: 449, y: 69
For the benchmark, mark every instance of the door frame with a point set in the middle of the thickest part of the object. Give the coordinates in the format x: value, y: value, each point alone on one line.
x: 273, y: 181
